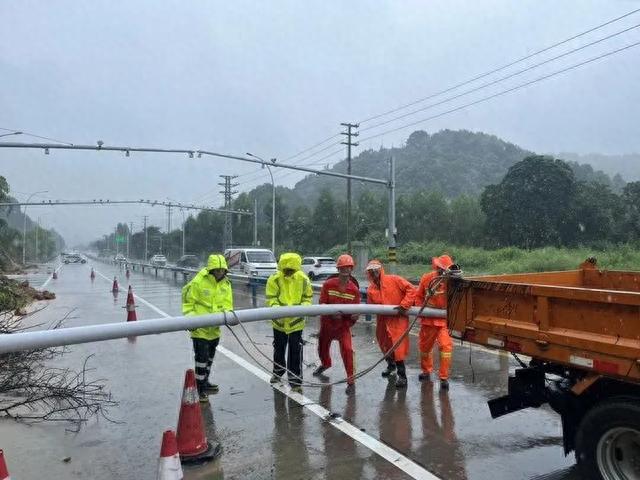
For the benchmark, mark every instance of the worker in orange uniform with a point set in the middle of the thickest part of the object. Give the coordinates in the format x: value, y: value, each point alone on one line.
x: 391, y: 290
x: 342, y: 288
x: 432, y: 330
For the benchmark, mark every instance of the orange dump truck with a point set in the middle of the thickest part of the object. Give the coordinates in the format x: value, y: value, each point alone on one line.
x: 580, y: 330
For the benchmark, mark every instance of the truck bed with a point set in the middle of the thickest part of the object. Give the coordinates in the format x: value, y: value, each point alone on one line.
x: 586, y: 319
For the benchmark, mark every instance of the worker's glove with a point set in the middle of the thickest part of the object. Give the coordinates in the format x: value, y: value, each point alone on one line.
x: 431, y: 292
x: 401, y: 310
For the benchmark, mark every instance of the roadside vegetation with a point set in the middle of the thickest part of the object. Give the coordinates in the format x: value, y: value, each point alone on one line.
x: 494, y: 206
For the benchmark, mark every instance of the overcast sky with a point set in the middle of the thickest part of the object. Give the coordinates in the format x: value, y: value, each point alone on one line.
x: 273, y: 78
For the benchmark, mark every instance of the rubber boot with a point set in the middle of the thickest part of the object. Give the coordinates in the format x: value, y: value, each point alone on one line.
x: 391, y: 368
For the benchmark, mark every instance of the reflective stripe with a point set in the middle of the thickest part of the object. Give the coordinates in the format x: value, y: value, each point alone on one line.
x: 201, y: 364
x: 445, y: 354
x: 338, y: 294
x: 296, y: 321
x: 189, y: 396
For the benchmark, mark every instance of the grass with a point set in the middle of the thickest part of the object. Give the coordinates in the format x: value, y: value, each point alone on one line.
x: 414, y: 258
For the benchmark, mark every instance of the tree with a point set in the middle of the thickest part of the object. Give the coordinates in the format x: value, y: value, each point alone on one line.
x: 533, y: 205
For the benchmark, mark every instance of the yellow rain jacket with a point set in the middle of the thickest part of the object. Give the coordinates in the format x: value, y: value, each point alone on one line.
x: 204, y: 295
x: 284, y: 291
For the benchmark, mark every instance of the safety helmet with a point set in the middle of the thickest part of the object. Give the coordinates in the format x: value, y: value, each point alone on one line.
x: 443, y: 262
x: 374, y: 265
x: 345, y: 260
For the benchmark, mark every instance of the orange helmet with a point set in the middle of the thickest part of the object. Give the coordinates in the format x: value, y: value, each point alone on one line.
x: 443, y: 262
x: 345, y: 261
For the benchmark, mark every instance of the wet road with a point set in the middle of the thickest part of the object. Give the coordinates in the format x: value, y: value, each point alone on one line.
x: 378, y: 433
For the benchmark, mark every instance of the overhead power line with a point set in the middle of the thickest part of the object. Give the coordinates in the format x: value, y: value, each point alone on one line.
x: 29, y: 134
x: 504, y: 92
x: 499, y: 80
x: 498, y: 69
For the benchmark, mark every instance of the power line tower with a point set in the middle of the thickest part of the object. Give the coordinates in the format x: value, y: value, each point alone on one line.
x: 228, y: 192
x: 350, y: 134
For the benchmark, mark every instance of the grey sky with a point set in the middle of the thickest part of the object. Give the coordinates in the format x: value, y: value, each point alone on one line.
x: 276, y: 77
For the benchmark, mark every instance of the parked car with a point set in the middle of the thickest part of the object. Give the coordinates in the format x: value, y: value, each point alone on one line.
x: 158, y: 260
x: 188, y: 261
x: 120, y: 258
x: 74, y: 258
x: 318, y: 267
x: 258, y: 262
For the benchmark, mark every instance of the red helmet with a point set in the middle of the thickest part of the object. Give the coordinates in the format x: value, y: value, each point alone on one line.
x: 345, y: 261
x: 443, y: 262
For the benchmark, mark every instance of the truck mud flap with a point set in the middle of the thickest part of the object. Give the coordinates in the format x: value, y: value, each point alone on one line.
x: 526, y: 389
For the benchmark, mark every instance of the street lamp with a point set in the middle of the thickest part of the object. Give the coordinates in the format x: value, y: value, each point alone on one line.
x: 12, y: 133
x: 273, y: 201
x: 24, y: 227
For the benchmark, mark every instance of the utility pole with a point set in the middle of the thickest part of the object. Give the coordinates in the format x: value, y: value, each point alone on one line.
x: 392, y: 232
x: 349, y: 143
x: 115, y: 240
x: 37, y: 229
x: 129, y: 239
x: 184, y: 223
x: 255, y: 222
x: 168, y: 219
x: 146, y: 243
x: 228, y: 192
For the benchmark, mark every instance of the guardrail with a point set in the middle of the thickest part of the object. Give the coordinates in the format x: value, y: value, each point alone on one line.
x: 252, y: 282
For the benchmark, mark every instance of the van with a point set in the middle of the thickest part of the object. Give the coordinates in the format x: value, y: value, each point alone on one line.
x: 257, y: 262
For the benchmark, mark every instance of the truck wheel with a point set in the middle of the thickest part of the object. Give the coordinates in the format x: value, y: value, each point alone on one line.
x: 608, y: 441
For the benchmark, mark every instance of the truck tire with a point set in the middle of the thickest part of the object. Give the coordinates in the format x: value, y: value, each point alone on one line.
x: 608, y: 441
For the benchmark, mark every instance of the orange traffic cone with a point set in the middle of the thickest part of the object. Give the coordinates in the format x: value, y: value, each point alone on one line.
x: 169, y: 467
x: 192, y: 441
x: 131, y: 307
x: 4, y: 471
x: 115, y: 287
x: 93, y: 275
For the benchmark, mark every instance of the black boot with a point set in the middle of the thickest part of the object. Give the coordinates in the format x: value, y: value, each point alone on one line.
x: 391, y: 368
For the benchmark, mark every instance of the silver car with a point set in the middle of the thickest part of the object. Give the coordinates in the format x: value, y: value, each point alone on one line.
x: 319, y: 267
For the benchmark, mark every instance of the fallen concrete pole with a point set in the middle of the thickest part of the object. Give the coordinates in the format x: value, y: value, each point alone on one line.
x: 14, y: 342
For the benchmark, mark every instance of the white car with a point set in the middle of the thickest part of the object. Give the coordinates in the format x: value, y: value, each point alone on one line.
x: 255, y: 262
x: 318, y: 267
x: 158, y: 261
x: 120, y: 258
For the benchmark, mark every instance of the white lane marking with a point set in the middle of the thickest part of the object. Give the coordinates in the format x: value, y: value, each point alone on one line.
x: 46, y: 282
x: 138, y: 297
x: 394, y: 457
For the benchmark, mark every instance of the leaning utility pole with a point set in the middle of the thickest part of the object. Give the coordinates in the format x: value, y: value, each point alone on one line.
x: 227, y: 237
x: 350, y: 134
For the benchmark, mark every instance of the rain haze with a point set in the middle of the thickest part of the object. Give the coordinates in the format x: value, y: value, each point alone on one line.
x: 276, y: 78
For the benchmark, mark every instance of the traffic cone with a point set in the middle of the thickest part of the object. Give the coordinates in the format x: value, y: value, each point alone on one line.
x: 169, y: 466
x: 131, y: 307
x: 93, y: 275
x: 115, y: 287
x: 55, y: 275
x: 4, y: 471
x: 192, y: 441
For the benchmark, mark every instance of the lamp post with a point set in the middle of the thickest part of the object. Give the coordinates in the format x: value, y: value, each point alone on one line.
x: 9, y: 134
x: 24, y: 228
x: 273, y: 201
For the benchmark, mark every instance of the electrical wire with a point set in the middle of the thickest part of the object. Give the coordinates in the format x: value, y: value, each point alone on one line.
x: 430, y: 292
x: 34, y: 135
x: 501, y: 79
x: 504, y: 92
x: 498, y: 69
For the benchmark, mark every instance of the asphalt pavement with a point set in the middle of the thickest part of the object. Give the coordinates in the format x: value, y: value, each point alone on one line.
x: 270, y: 433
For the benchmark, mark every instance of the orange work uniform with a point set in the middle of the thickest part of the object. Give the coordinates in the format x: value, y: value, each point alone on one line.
x: 434, y: 330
